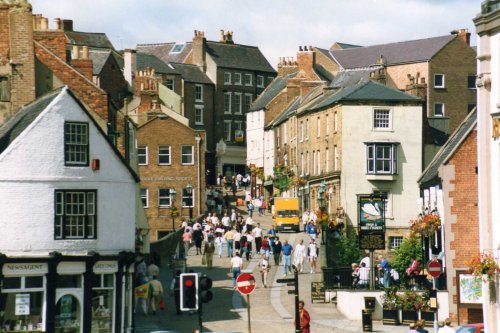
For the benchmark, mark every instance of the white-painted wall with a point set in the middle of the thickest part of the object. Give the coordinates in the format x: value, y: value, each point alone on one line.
x: 269, y: 153
x: 32, y: 168
x: 357, y: 122
x: 255, y: 138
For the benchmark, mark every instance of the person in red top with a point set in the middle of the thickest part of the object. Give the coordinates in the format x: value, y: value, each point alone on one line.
x: 412, y: 271
x: 305, y: 319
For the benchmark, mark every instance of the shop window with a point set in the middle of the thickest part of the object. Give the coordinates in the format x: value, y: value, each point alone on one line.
x: 69, y: 281
x: 68, y: 315
x: 102, y: 303
x: 21, y: 304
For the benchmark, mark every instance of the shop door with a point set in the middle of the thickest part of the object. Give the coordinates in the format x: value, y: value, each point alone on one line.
x: 69, y: 311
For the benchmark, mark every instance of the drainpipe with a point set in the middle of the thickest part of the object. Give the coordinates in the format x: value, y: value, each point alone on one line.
x: 198, y: 187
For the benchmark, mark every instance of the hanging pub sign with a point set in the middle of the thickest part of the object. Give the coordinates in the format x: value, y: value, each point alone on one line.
x: 371, y: 221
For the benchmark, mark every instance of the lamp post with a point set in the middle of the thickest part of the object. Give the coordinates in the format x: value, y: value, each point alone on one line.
x: 189, y: 190
x: 321, y: 200
x: 173, y: 210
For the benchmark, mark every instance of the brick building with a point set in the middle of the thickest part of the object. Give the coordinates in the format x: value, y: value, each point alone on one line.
x: 171, y: 158
x: 450, y: 185
x: 239, y: 74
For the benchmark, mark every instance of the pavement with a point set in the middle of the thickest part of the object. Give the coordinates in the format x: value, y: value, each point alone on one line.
x: 271, y: 309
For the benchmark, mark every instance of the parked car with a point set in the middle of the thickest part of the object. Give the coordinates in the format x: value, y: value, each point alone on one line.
x: 471, y: 328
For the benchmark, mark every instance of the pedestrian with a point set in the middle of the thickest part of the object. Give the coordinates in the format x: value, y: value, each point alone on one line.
x: 243, y: 244
x: 305, y: 219
x: 313, y: 255
x: 270, y: 208
x: 262, y: 206
x: 156, y: 293
x: 311, y: 229
x: 236, y: 266
x: 226, y: 221
x: 153, y: 270
x: 239, y: 180
x: 386, y: 268
x: 250, y: 208
x: 412, y: 272
x: 257, y: 234
x: 354, y: 275
x: 420, y: 326
x: 233, y: 189
x: 264, y: 268
x: 299, y: 254
x: 209, y: 252
x: 286, y: 251
x: 233, y: 217
x: 249, y: 245
x: 271, y: 234
x: 305, y: 318
x: 364, y: 276
x: 257, y: 203
x: 446, y: 328
x: 218, y: 243
x: 413, y: 328
x: 187, y: 239
x: 228, y: 238
x: 198, y: 239
x: 264, y: 249
x: 175, y: 290
x: 277, y: 251
x: 140, y: 270
x: 236, y: 240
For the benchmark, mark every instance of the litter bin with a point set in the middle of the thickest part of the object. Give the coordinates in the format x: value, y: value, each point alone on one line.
x: 370, y: 303
x: 367, y: 320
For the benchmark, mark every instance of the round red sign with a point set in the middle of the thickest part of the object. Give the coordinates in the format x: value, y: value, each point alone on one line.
x: 245, y: 283
x: 434, y: 268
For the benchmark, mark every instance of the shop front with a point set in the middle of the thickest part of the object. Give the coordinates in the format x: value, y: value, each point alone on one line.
x: 66, y: 294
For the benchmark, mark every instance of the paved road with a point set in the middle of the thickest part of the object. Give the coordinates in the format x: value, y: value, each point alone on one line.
x: 272, y: 308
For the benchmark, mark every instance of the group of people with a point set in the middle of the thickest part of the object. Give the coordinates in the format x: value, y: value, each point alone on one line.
x: 444, y: 327
x: 147, y: 277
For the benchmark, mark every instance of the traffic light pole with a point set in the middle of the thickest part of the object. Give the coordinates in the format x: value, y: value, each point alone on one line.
x: 248, y: 309
x: 200, y: 313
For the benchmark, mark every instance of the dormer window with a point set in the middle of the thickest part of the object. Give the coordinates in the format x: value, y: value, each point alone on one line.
x: 177, y: 48
x: 76, y: 144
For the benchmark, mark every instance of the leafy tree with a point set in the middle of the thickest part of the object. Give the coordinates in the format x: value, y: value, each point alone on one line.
x: 402, y: 257
x: 342, y: 249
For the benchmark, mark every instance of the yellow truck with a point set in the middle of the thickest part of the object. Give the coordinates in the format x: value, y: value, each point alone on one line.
x: 286, y: 214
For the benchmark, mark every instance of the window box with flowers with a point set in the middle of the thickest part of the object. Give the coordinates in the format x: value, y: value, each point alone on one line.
x: 485, y: 267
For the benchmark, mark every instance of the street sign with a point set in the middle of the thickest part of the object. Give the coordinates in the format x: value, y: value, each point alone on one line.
x: 434, y: 268
x: 292, y: 280
x: 245, y: 283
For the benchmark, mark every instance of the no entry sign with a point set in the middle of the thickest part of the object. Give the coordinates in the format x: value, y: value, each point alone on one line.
x: 434, y: 268
x: 245, y: 283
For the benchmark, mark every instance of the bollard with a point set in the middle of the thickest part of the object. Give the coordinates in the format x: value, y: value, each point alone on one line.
x: 367, y: 320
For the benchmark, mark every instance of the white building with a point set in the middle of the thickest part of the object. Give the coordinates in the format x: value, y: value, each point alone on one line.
x: 69, y: 206
x: 488, y: 143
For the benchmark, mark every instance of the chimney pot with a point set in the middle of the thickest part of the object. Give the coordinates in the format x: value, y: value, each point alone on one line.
x: 44, y: 23
x: 85, y: 52
x: 57, y: 22
x: 300, y: 48
x: 76, y: 52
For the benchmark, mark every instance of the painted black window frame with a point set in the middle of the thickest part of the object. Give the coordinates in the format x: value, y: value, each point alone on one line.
x: 58, y: 214
x: 68, y: 145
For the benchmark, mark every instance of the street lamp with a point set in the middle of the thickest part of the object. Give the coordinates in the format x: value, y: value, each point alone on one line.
x: 173, y: 210
x: 189, y: 190
x: 321, y: 200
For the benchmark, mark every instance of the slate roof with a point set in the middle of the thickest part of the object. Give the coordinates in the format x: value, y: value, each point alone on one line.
x: 323, y: 73
x: 98, y: 58
x: 394, y: 53
x: 430, y: 174
x: 23, y: 117
x: 346, y: 46
x: 325, y: 52
x: 238, y: 56
x: 91, y: 39
x: 350, y: 77
x: 144, y: 61
x: 364, y: 91
x: 191, y: 73
x: 162, y: 51
x: 271, y: 91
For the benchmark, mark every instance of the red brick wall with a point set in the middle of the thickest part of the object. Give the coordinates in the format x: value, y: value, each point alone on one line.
x: 465, y: 231
x: 54, y: 40
x: 168, y: 131
x: 84, y: 66
x: 83, y: 88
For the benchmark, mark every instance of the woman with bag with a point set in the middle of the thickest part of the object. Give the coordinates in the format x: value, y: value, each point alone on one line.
x: 156, y: 294
x: 208, y: 251
x: 264, y: 268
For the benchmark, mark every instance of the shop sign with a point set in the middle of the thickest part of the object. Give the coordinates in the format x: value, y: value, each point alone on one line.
x: 371, y: 221
x: 102, y: 267
x: 25, y: 269
x: 22, y: 304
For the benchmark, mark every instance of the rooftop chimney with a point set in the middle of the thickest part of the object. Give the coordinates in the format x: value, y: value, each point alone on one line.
x: 57, y: 23
x: 200, y: 49
x: 305, y: 60
x: 67, y: 25
x: 463, y: 34
x: 129, y: 67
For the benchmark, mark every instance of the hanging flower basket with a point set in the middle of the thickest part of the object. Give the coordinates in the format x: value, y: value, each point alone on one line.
x: 426, y: 224
x: 484, y: 266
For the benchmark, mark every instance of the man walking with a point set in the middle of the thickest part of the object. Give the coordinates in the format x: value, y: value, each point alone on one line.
x: 287, y: 250
x: 257, y: 234
x: 305, y: 318
x: 277, y: 251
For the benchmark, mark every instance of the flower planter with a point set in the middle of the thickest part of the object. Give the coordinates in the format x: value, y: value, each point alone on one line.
x: 409, y: 316
x: 390, y: 317
x: 428, y: 316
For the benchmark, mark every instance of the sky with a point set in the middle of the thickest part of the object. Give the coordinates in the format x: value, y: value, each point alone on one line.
x: 277, y: 27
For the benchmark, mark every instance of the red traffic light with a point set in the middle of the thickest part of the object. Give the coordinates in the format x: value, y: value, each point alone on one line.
x: 188, y: 283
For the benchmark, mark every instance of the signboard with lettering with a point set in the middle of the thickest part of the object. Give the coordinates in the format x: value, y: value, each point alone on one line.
x: 317, y: 291
x: 22, y: 304
x: 19, y: 269
x: 371, y: 221
x: 106, y: 267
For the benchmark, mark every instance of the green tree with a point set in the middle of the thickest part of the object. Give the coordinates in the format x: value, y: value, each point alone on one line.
x: 342, y: 249
x: 411, y: 246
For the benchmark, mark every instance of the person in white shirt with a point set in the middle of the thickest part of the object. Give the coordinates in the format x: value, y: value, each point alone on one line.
x: 364, y: 276
x: 196, y: 226
x: 215, y: 219
x: 226, y: 222
x: 218, y: 242
x: 305, y: 219
x: 313, y: 255
x: 236, y: 266
x: 264, y: 268
x: 249, y: 245
x: 299, y: 255
x: 257, y: 234
x: 313, y: 217
x: 233, y: 216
